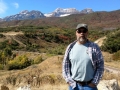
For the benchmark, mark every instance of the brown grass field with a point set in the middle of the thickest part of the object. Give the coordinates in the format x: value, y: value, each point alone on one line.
x: 44, y: 76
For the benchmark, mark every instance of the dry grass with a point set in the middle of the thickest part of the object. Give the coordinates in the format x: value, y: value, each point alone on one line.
x: 46, y: 75
x: 110, y: 76
x: 109, y: 62
x: 47, y: 72
x: 107, y: 56
x: 52, y: 87
x: 115, y: 64
x: 43, y: 87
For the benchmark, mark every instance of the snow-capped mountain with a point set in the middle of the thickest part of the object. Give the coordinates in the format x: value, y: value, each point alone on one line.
x: 25, y: 15
x: 59, y: 12
x: 88, y: 10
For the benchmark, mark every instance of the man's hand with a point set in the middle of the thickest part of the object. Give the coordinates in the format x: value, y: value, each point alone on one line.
x: 92, y: 85
x: 68, y: 83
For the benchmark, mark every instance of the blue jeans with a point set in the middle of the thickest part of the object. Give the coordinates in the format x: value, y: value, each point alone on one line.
x: 85, y: 87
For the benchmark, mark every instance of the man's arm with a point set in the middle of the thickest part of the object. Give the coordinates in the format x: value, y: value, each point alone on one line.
x: 65, y: 65
x: 66, y: 69
x: 99, y: 66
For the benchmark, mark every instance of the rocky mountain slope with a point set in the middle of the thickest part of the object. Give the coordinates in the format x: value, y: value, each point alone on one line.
x: 60, y: 12
x: 34, y: 14
x: 25, y: 15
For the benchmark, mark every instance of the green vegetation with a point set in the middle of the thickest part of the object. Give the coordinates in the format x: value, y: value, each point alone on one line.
x: 47, y: 39
x: 18, y: 63
x: 96, y: 34
x: 112, y: 43
x: 10, y: 61
x: 9, y: 43
x: 5, y: 55
x: 38, y: 60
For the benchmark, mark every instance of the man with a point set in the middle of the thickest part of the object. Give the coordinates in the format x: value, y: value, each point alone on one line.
x: 83, y: 63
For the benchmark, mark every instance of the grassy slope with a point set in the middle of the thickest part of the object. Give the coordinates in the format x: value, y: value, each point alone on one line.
x: 49, y: 70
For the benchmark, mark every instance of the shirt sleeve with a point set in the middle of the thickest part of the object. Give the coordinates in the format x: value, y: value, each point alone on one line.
x: 99, y: 63
x: 66, y: 65
x: 66, y: 69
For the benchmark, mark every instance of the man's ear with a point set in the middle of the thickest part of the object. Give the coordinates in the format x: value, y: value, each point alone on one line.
x: 76, y: 32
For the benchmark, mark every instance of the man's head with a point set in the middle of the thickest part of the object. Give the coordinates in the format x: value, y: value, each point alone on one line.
x: 81, y: 32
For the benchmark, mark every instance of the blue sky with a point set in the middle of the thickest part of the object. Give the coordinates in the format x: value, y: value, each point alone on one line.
x: 11, y: 7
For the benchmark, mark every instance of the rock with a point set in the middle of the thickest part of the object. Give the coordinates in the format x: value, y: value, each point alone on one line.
x: 27, y: 87
x: 108, y: 85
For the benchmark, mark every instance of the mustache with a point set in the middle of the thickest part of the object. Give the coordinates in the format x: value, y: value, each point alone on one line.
x: 82, y: 39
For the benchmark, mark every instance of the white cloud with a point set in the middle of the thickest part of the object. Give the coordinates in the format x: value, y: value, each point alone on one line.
x: 3, y: 7
x: 16, y: 5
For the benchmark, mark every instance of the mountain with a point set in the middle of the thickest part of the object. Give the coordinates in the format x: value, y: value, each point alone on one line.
x: 97, y: 20
x: 60, y: 12
x: 25, y: 15
x: 1, y: 19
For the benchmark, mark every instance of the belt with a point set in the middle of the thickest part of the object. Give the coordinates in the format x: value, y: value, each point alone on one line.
x: 83, y: 83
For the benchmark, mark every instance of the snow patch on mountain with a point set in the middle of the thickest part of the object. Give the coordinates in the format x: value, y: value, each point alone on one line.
x: 64, y: 15
x: 60, y: 12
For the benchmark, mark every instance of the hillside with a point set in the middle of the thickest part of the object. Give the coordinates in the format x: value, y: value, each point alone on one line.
x: 48, y: 72
x: 96, y: 20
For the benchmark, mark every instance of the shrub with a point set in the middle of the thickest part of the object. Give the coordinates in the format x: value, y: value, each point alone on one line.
x: 112, y: 43
x: 19, y: 62
x: 57, y: 50
x: 1, y: 36
x: 38, y: 60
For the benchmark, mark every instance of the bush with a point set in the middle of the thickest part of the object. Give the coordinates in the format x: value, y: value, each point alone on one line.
x: 38, y: 60
x: 19, y: 62
x: 1, y: 36
x: 57, y: 50
x: 112, y: 43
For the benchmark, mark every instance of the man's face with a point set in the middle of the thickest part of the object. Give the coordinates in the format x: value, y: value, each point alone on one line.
x: 81, y: 34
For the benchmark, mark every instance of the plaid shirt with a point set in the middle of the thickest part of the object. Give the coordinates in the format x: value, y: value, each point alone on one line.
x: 96, y: 57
